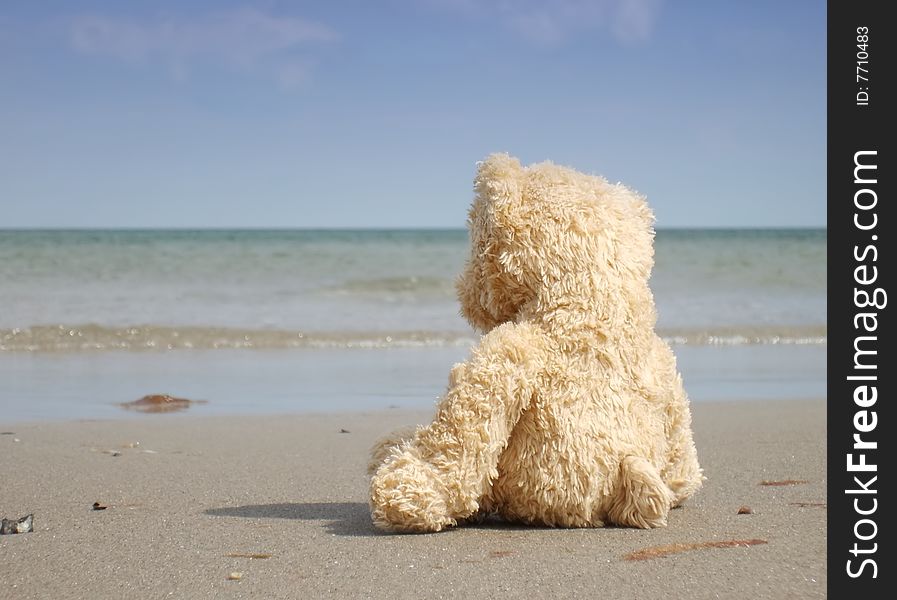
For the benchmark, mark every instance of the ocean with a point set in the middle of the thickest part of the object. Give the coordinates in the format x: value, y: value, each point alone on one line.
x: 92, y: 318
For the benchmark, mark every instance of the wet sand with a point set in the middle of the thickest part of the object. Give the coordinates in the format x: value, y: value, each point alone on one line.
x: 282, y: 501
x: 93, y: 385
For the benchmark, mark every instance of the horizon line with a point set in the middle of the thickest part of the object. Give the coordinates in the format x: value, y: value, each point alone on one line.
x: 385, y: 229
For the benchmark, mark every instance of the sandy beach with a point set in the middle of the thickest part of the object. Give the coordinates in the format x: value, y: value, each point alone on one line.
x: 282, y: 502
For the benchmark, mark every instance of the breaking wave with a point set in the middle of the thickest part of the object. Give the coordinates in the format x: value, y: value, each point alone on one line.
x: 86, y: 338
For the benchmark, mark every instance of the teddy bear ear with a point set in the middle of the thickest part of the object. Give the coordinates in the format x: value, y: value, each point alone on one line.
x: 498, y: 184
x: 498, y: 165
x: 497, y: 176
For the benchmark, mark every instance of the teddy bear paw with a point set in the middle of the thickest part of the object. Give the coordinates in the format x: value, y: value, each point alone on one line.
x: 406, y: 497
x: 643, y: 499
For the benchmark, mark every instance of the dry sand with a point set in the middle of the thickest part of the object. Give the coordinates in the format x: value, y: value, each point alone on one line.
x: 198, y: 497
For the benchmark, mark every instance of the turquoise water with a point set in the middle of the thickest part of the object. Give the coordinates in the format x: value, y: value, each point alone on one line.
x: 294, y: 321
x: 138, y: 290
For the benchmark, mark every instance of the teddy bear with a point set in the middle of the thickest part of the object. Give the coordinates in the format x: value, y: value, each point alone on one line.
x: 570, y: 412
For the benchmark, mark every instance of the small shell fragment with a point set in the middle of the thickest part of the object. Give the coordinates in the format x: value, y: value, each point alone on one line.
x: 745, y: 510
x: 11, y: 526
x: 235, y: 576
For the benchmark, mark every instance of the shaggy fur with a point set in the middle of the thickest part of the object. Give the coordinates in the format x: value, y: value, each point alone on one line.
x: 570, y: 412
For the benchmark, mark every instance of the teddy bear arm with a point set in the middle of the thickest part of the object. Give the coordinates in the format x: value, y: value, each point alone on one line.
x: 441, y: 474
x: 388, y: 444
x: 682, y: 473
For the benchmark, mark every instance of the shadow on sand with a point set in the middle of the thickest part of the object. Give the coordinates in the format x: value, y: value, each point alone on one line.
x: 351, y: 519
x: 342, y: 518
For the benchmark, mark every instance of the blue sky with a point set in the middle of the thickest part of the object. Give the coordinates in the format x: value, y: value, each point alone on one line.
x: 373, y: 114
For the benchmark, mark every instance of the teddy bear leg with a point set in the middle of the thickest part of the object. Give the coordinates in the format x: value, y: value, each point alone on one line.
x: 643, y: 499
x: 384, y: 446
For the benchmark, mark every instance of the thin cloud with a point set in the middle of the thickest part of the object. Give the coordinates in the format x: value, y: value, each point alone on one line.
x: 548, y: 23
x: 634, y: 20
x: 243, y: 39
x: 541, y: 27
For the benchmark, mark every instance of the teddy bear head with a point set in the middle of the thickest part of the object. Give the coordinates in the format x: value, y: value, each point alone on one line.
x: 547, y: 240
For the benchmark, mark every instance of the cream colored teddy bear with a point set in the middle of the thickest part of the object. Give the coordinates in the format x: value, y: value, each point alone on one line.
x: 570, y: 412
